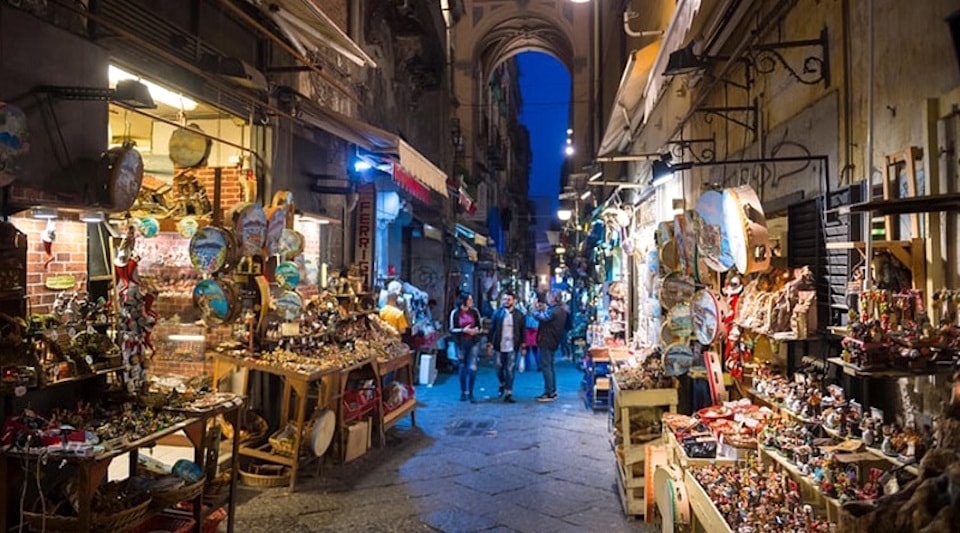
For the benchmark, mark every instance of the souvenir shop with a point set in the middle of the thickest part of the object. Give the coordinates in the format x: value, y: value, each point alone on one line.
x: 172, y: 302
x: 732, y: 409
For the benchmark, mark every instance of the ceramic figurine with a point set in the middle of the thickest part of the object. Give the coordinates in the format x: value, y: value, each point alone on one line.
x: 867, y: 432
x: 887, y: 446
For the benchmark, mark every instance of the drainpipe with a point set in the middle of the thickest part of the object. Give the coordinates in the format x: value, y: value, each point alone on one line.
x: 868, y: 215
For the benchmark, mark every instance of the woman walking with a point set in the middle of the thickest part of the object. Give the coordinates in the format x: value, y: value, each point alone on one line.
x: 465, y: 327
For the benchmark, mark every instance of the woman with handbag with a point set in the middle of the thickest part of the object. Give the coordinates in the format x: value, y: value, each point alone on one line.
x: 465, y: 328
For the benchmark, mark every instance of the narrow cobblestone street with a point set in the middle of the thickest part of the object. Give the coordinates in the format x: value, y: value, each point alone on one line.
x: 490, y: 466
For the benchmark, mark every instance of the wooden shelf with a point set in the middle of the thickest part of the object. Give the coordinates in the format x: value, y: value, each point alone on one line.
x: 916, y: 204
x: 851, y: 369
x: 704, y: 513
x: 392, y: 417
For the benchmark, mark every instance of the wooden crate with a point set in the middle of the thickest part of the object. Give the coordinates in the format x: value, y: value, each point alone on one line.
x: 644, y: 398
x: 704, y: 513
x: 676, y: 455
x: 632, y: 499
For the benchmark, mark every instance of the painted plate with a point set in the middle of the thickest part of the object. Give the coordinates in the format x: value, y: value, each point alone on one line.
x: 13, y: 142
x: 669, y: 256
x: 290, y: 305
x: 287, y: 275
x: 664, y: 232
x: 250, y: 229
x: 188, y: 148
x: 706, y: 316
x: 677, y: 359
x: 711, y: 232
x: 291, y: 244
x: 211, y: 250
x: 675, y: 289
x: 680, y: 320
x: 126, y: 174
x: 276, y: 223
x: 215, y: 300
x: 149, y: 227
x: 666, y: 334
x: 187, y: 227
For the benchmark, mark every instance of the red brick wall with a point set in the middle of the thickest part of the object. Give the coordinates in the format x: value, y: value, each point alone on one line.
x: 231, y: 188
x: 69, y: 253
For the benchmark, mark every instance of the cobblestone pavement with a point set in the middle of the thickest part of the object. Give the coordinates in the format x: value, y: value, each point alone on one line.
x: 489, y: 466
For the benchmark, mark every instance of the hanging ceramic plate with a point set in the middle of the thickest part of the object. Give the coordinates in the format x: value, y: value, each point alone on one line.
x: 125, y: 168
x: 706, y: 317
x: 149, y: 227
x: 290, y: 305
x: 287, y: 275
x: 276, y: 223
x: 680, y: 320
x: 666, y: 334
x: 188, y: 148
x: 187, y: 227
x: 746, y: 229
x: 677, y: 359
x: 712, y: 232
x: 13, y: 142
x: 216, y: 301
x: 664, y: 232
x: 675, y: 289
x: 669, y: 257
x: 250, y: 229
x: 323, y: 430
x: 291, y: 244
x: 211, y: 250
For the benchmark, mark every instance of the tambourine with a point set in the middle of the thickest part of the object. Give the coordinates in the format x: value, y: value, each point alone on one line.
x: 125, y: 170
x: 746, y: 229
x: 666, y: 334
x: 705, y: 313
x: 291, y: 244
x: 217, y: 300
x: 686, y: 241
x: 664, y: 233
x: 672, y: 498
x: 712, y: 233
x: 188, y: 148
x: 13, y: 141
x: 250, y: 229
x: 675, y: 289
x: 680, y: 320
x: 287, y: 275
x: 212, y: 250
x: 187, y: 227
x: 677, y: 359
x: 669, y: 256
x: 289, y: 305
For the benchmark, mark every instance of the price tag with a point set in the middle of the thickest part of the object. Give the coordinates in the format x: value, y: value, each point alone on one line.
x: 290, y: 329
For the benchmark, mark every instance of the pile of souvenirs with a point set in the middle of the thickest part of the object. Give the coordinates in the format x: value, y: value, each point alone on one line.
x: 753, y: 498
x: 643, y: 371
x: 735, y: 424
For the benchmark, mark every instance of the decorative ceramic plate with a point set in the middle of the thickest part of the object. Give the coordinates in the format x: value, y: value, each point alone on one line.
x: 712, y: 232
x: 250, y: 229
x: 669, y: 256
x: 291, y: 244
x: 287, y: 275
x: 675, y: 289
x: 680, y: 320
x: 289, y: 304
x: 211, y: 250
x: 706, y: 317
x: 666, y: 334
x: 187, y: 227
x: 276, y: 223
x: 216, y: 301
x: 13, y: 141
x: 149, y: 227
x: 188, y: 148
x: 125, y: 166
x: 677, y: 359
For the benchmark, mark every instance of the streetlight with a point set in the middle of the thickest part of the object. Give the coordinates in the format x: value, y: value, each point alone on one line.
x: 564, y: 214
x: 568, y: 150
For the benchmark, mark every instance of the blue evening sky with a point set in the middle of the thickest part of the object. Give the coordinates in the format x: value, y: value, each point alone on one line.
x: 545, y: 88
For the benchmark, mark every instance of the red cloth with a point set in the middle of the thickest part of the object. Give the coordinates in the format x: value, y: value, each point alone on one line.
x: 530, y: 337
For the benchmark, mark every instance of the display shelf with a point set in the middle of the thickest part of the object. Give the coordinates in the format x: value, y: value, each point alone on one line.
x: 808, y: 490
x: 402, y: 367
x: 677, y: 455
x: 704, y: 514
x: 851, y: 369
x: 632, y: 499
x: 82, y: 377
x: 912, y: 468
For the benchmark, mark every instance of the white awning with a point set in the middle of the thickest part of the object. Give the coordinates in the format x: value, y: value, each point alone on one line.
x: 307, y: 26
x: 624, y: 115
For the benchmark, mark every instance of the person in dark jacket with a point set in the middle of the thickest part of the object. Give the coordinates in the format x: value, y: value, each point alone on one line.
x: 552, y: 320
x: 506, y: 337
x: 465, y: 328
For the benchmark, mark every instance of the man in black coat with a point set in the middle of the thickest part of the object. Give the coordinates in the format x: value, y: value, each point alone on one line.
x: 553, y: 319
x: 506, y: 338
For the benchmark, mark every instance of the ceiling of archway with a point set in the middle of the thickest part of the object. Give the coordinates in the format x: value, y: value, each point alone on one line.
x: 522, y: 34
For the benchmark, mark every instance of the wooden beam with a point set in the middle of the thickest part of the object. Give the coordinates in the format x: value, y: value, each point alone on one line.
x: 935, y: 253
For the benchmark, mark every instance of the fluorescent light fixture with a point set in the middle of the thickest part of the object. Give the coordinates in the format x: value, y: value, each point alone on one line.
x: 596, y: 176
x: 568, y: 150
x: 361, y: 165
x: 662, y: 179
x: 579, y: 1
x: 585, y: 195
x: 92, y: 217
x: 177, y: 337
x: 158, y: 93
x: 564, y: 214
x: 44, y: 213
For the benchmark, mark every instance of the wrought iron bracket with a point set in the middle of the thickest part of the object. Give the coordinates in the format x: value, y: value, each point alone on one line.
x: 730, y: 115
x: 813, y: 70
x: 700, y: 150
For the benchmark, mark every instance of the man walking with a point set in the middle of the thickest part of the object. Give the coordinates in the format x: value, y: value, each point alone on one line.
x: 506, y: 336
x: 553, y: 319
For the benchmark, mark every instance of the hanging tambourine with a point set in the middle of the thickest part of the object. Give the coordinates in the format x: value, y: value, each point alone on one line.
x: 666, y: 334
x: 669, y: 256
x: 217, y: 301
x: 250, y: 229
x: 664, y: 233
x: 677, y: 359
x: 125, y: 174
x: 712, y: 233
x: 148, y: 227
x: 13, y: 142
x: 187, y: 227
x: 675, y: 289
x: 291, y: 244
x: 188, y: 147
x: 706, y: 317
x: 287, y: 275
x: 680, y: 320
x: 671, y: 497
x: 746, y: 229
x: 212, y: 250
x: 289, y: 305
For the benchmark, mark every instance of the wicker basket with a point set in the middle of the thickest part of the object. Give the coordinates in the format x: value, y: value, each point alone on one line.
x: 37, y: 521
x: 162, y: 500
x: 282, y: 440
x: 265, y: 476
x: 108, y: 523
x: 217, y: 486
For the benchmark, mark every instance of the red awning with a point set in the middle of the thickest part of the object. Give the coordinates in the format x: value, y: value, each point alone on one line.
x: 410, y: 184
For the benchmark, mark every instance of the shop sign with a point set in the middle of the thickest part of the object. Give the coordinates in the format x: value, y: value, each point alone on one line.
x: 366, y: 226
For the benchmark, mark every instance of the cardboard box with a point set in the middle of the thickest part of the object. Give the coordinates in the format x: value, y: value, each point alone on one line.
x: 428, y: 369
x: 358, y: 440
